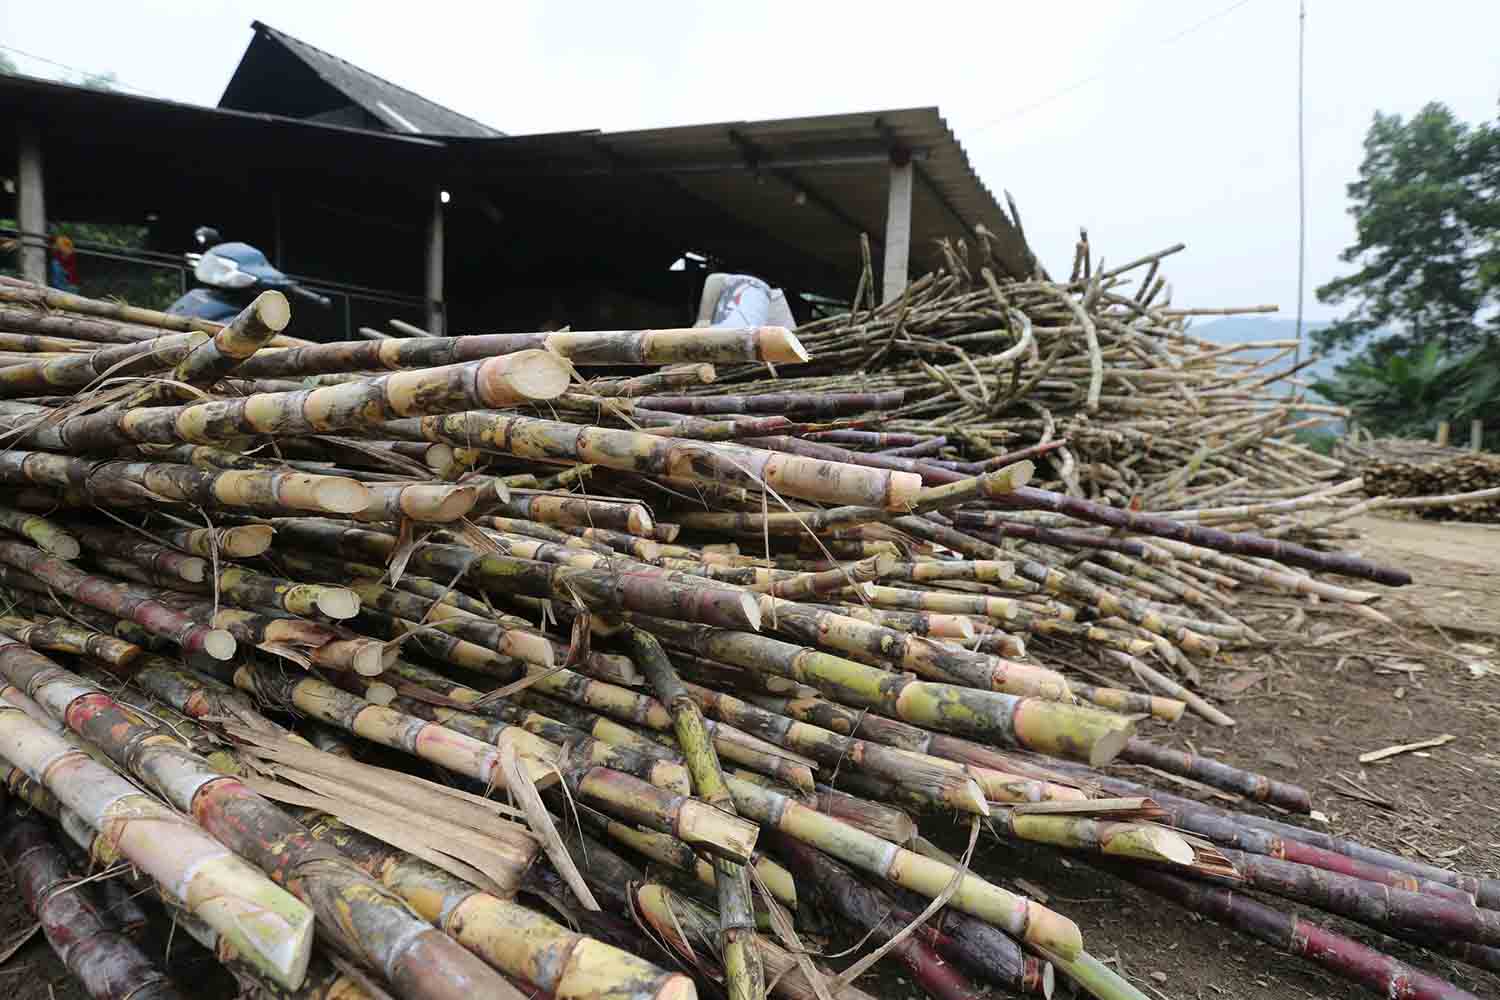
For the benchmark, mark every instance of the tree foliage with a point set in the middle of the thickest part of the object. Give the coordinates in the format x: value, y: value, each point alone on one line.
x: 1405, y: 394
x: 1427, y: 216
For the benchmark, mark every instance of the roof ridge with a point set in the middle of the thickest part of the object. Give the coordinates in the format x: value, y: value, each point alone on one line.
x: 261, y: 26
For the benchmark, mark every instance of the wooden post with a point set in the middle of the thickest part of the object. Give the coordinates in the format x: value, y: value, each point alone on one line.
x: 1442, y: 434
x: 897, y: 229
x: 436, y: 320
x: 1476, y: 434
x: 31, y: 205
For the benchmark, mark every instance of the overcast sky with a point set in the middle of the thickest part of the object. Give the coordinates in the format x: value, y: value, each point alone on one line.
x: 1147, y: 122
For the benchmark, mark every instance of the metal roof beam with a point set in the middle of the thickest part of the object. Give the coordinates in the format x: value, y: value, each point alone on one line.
x: 755, y: 160
x: 830, y: 158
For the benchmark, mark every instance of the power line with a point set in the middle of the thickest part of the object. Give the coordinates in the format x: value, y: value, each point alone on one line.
x: 1301, y: 173
x: 110, y: 78
x: 1079, y: 84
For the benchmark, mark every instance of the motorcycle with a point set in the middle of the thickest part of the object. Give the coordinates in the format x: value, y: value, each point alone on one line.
x: 232, y: 275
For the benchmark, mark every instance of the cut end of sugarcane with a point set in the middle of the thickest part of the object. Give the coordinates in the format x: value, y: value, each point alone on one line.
x: 523, y: 375
x: 1109, y: 746
x: 677, y: 987
x: 379, y: 693
x: 193, y: 569
x: 438, y: 458
x: 337, y: 602
x: 750, y: 607
x: 779, y: 345
x: 951, y: 627
x: 438, y: 504
x: 272, y: 309
x: 903, y: 490
x: 1049, y: 979
x: 64, y: 547
x: 246, y: 541
x: 639, y: 522
x: 219, y: 644
x: 502, y: 491
x: 531, y: 648
x: 1051, y: 931
x: 338, y: 495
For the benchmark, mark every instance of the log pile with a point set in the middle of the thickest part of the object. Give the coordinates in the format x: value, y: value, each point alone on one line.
x: 1445, y: 482
x: 366, y: 656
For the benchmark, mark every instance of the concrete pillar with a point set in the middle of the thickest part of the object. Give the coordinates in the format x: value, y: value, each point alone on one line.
x: 897, y: 231
x: 31, y: 214
x: 436, y: 318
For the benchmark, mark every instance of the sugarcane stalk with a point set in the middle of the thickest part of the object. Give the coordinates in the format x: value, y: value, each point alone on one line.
x: 367, y: 920
x: 689, y: 928
x: 141, y: 605
x: 1047, y: 726
x: 107, y: 964
x: 1031, y: 498
x: 497, y: 382
x: 743, y: 975
x: 581, y: 512
x: 1218, y: 774
x: 936, y: 782
x: 58, y: 635
x: 46, y: 535
x: 871, y: 911
x: 252, y: 328
x: 266, y: 924
x: 428, y: 503
x: 1340, y: 955
x: 137, y: 483
x: 512, y: 938
x: 604, y: 347
x: 676, y: 458
x: 238, y: 542
x: 1016, y: 915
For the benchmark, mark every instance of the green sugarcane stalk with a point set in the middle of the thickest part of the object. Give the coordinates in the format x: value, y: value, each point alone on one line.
x: 743, y: 974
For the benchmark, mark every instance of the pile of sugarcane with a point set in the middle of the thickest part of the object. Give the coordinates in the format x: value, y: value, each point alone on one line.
x: 1452, y: 483
x: 355, y: 659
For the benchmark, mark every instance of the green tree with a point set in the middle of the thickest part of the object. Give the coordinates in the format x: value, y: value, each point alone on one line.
x: 1427, y: 217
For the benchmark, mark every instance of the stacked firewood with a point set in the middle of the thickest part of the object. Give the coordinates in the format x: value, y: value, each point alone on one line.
x: 359, y: 656
x: 1454, y: 483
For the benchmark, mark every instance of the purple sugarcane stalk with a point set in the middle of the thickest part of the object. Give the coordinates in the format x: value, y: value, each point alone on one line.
x: 993, y: 531
x: 1238, y: 543
x: 1220, y: 775
x: 1342, y: 956
x: 1412, y: 915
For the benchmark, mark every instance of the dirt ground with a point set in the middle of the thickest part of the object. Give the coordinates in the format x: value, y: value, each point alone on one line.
x: 1334, y: 686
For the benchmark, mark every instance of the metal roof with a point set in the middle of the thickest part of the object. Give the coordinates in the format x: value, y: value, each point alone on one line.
x: 755, y: 193
x: 260, y: 74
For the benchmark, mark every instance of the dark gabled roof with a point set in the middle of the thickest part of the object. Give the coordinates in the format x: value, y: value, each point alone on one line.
x: 266, y: 80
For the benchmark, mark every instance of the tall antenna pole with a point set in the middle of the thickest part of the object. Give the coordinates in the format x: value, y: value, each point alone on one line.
x: 1301, y: 174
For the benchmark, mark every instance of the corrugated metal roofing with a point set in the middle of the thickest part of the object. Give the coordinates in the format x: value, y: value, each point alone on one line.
x: 810, y: 183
